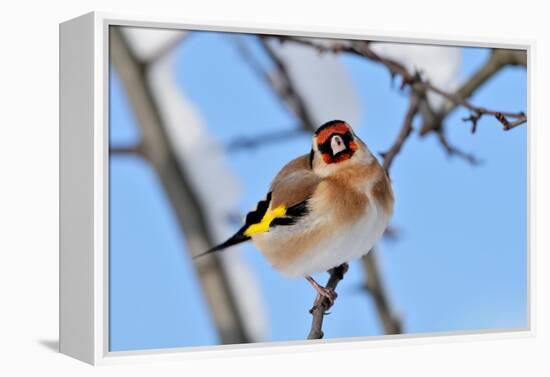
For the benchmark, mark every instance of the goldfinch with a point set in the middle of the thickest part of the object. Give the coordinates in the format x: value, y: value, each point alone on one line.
x: 323, y: 209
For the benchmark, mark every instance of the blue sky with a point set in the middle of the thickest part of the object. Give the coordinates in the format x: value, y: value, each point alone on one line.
x: 459, y: 262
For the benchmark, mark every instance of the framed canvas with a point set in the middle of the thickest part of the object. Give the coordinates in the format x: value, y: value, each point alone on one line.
x: 212, y: 174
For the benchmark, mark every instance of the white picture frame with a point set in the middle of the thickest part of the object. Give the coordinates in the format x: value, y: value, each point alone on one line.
x: 84, y: 221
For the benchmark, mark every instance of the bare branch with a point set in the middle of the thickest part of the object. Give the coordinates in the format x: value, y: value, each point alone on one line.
x: 421, y: 87
x: 279, y: 81
x: 498, y: 59
x: 405, y: 132
x: 269, y: 137
x: 287, y: 90
x: 373, y: 285
x: 160, y: 153
x: 134, y: 149
x: 454, y: 151
x: 166, y: 48
x: 248, y: 57
x: 478, y: 112
x: 514, y: 124
x: 320, y: 310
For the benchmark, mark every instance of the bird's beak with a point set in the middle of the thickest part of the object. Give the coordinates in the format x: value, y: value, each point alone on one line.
x: 337, y: 145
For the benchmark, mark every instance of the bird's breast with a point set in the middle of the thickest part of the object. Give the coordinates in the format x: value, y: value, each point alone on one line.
x: 345, y: 220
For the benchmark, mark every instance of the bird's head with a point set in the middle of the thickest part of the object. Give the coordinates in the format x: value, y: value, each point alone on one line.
x: 334, y: 145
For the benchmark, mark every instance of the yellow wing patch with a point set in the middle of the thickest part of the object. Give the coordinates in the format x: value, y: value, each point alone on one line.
x: 263, y: 225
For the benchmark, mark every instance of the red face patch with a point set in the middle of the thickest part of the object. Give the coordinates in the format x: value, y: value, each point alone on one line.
x: 328, y: 153
x: 335, y: 142
x: 326, y: 133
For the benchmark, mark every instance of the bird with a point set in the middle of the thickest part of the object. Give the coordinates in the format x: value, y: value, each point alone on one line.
x: 322, y: 210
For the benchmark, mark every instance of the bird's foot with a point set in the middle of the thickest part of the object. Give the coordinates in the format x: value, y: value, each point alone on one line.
x: 328, y: 293
x: 322, y: 293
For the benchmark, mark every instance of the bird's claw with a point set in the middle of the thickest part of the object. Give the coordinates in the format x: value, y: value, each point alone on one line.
x: 322, y: 293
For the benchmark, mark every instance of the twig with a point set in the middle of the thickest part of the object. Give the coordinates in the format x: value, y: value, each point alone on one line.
x: 287, y: 90
x: 320, y: 310
x: 498, y: 59
x: 514, y: 124
x: 269, y: 137
x: 405, y: 132
x: 134, y: 149
x: 279, y: 81
x: 248, y: 57
x: 478, y: 112
x: 415, y: 81
x: 454, y: 151
x: 359, y: 48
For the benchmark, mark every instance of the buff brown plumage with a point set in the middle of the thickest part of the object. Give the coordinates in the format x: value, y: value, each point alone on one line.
x: 323, y: 209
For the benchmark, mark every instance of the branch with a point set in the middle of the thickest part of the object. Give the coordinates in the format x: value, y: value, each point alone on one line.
x: 478, y: 112
x: 320, y: 310
x: 279, y: 81
x: 269, y: 137
x: 248, y: 57
x: 373, y: 285
x: 421, y: 86
x: 166, y: 48
x: 359, y: 48
x: 134, y: 149
x: 454, y: 151
x: 403, y: 135
x: 158, y: 150
x: 498, y: 59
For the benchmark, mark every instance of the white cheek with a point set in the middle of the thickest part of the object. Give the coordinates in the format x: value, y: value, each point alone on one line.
x: 324, y: 170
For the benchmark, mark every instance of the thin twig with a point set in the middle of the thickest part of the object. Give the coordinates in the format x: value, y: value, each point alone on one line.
x: 248, y: 57
x: 501, y: 116
x: 498, y: 59
x: 413, y: 79
x: 404, y: 133
x: 133, y: 149
x: 320, y: 310
x: 454, y: 151
x: 279, y: 81
x: 287, y: 90
x: 269, y: 137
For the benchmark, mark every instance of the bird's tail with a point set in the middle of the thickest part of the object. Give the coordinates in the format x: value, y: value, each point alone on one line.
x: 233, y: 240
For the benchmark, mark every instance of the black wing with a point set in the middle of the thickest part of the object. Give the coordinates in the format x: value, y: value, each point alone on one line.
x: 293, y: 214
x: 254, y: 217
